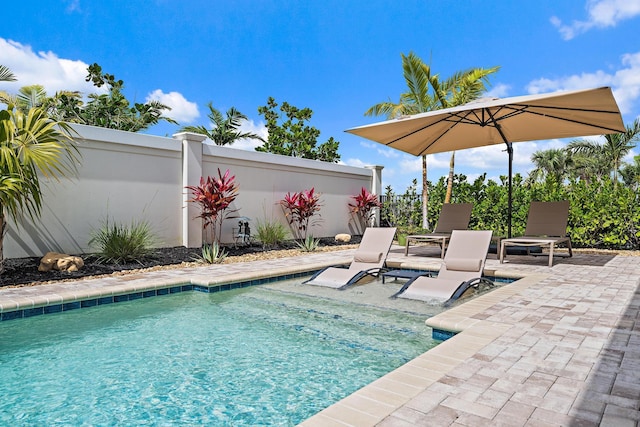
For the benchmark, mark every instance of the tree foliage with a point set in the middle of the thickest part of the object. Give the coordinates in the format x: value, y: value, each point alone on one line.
x: 427, y: 92
x: 289, y: 134
x: 32, y: 146
x: 602, y: 214
x: 225, y: 129
x: 109, y: 110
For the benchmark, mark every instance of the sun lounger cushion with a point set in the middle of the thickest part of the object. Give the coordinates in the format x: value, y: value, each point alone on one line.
x: 362, y: 256
x: 463, y: 264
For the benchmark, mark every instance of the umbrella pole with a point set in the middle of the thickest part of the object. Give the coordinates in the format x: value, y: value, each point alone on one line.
x: 510, y: 152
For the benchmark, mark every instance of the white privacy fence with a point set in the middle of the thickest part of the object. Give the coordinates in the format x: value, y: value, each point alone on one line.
x: 127, y: 177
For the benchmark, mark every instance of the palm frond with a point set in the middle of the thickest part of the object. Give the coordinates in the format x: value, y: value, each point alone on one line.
x: 6, y: 75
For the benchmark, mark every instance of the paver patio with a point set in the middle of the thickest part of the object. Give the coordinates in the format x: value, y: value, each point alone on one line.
x: 559, y: 347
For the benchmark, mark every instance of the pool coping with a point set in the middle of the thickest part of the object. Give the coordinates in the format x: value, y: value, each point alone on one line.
x: 88, y: 296
x: 374, y: 402
x: 579, y: 307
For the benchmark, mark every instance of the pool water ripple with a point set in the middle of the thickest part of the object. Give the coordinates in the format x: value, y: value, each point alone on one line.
x: 244, y: 357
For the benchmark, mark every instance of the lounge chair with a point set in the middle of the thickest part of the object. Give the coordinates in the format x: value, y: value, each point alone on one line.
x: 453, y: 216
x: 462, y: 268
x: 546, y: 227
x: 367, y: 262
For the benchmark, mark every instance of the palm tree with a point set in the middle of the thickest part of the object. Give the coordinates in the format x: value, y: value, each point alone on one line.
x: 460, y: 88
x: 631, y: 173
x: 554, y: 162
x: 615, y: 147
x: 225, y: 130
x: 31, y: 146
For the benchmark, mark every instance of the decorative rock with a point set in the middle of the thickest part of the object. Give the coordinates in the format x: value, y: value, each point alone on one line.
x: 62, y: 262
x: 343, y: 237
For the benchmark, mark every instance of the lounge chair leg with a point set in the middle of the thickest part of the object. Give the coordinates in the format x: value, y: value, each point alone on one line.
x: 551, y: 254
x: 502, y: 249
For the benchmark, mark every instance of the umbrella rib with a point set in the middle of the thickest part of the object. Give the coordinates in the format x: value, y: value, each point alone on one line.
x: 477, y: 117
x: 445, y: 119
x: 580, y: 122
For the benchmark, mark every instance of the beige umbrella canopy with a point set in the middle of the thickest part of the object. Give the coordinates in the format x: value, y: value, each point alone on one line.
x: 495, y: 121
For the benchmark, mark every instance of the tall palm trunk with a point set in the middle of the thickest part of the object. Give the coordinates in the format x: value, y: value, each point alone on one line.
x: 452, y: 163
x: 425, y: 194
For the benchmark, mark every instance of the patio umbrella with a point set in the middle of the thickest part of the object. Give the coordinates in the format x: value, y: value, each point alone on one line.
x: 500, y: 121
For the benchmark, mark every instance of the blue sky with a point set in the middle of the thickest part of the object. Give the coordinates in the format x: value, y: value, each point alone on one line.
x: 336, y: 57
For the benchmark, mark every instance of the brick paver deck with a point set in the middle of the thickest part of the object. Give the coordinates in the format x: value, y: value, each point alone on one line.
x: 559, y: 347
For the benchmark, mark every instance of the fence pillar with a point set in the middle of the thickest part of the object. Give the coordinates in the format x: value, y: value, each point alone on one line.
x: 376, y: 188
x: 191, y: 174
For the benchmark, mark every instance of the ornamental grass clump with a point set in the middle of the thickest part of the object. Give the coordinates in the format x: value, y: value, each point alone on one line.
x: 271, y: 233
x: 122, y: 244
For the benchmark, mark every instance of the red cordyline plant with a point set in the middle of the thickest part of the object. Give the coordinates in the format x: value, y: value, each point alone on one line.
x: 215, y: 195
x: 299, y: 209
x: 363, y: 205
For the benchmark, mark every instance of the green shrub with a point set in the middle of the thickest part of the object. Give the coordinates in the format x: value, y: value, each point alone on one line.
x: 309, y: 244
x: 271, y: 233
x: 121, y: 244
x: 212, y: 254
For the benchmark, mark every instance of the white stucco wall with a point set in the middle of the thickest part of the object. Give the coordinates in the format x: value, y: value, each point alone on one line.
x: 129, y: 177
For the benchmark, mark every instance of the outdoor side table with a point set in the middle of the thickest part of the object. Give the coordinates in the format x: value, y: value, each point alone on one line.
x: 404, y: 274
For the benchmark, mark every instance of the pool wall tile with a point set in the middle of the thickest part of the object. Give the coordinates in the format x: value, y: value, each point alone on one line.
x: 71, y: 305
x: 56, y: 308
x: 29, y: 312
x: 89, y: 303
x: 12, y: 315
x: 134, y: 296
x: 441, y: 335
x: 105, y: 300
x: 137, y: 292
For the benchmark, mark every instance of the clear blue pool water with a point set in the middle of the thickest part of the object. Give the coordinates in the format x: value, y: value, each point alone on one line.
x: 251, y: 356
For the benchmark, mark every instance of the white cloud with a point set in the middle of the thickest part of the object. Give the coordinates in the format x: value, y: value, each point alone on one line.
x: 73, y: 6
x: 43, y: 68
x: 182, y: 110
x: 359, y: 163
x: 601, y: 14
x: 251, y: 144
x: 500, y: 90
x: 389, y: 153
x: 625, y: 82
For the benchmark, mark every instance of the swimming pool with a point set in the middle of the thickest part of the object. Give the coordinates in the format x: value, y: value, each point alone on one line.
x: 253, y: 356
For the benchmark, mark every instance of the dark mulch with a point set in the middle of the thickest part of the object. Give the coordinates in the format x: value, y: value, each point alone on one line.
x: 25, y: 270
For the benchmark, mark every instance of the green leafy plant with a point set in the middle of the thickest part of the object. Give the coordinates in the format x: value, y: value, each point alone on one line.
x: 299, y: 210
x: 309, y: 244
x: 215, y: 195
x: 32, y: 147
x: 121, y: 244
x: 290, y: 135
x: 363, y: 206
x: 212, y: 254
x: 271, y: 233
